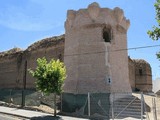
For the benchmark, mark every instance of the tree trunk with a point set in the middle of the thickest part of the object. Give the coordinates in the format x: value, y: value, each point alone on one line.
x: 55, y: 103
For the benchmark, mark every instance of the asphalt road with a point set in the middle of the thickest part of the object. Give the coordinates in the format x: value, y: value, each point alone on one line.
x: 9, y: 117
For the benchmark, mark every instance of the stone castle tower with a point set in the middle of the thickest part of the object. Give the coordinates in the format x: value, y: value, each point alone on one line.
x: 93, y: 53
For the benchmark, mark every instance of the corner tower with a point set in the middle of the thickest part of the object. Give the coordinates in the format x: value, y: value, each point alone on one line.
x: 95, y: 55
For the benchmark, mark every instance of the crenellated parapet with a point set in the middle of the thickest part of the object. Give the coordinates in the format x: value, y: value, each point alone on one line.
x: 97, y: 16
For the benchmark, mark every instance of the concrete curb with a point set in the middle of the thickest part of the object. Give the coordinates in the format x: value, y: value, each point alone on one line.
x: 28, y: 114
x: 20, y: 116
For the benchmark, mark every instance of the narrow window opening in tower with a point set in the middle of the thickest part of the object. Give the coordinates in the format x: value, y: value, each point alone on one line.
x: 140, y: 72
x: 106, y: 35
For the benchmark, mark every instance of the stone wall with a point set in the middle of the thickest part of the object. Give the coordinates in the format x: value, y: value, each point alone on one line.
x: 143, y: 75
x: 12, y: 61
x: 140, y: 75
x: 11, y: 69
x: 132, y: 76
x: 12, y: 64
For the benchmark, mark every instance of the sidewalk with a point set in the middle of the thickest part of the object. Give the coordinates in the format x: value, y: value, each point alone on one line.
x: 33, y: 115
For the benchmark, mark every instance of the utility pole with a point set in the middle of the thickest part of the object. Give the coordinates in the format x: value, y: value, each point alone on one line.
x: 24, y: 84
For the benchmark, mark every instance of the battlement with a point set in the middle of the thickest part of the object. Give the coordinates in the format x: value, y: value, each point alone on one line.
x: 94, y: 16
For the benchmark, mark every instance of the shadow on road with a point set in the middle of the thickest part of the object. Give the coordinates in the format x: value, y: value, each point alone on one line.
x: 46, y: 118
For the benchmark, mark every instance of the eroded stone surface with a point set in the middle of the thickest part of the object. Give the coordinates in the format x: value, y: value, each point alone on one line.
x: 90, y: 61
x: 93, y: 64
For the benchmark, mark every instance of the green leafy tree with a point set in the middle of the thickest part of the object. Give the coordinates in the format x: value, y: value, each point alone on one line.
x: 49, y: 76
x: 155, y: 33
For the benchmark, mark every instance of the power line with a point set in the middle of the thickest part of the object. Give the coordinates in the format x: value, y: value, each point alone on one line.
x: 99, y: 52
x: 142, y: 47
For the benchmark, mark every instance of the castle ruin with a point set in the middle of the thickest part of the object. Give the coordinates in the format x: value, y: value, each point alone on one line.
x: 94, y: 52
x: 92, y: 38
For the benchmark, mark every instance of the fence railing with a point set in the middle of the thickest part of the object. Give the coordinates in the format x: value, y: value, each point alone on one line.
x: 156, y: 107
x: 97, y: 105
x: 31, y: 97
x: 104, y: 106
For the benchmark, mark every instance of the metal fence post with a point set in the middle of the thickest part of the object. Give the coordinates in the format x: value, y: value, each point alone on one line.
x: 89, y: 112
x: 154, y: 109
x: 112, y: 103
x: 147, y: 116
x: 141, y: 105
x: 24, y: 84
x: 61, y: 102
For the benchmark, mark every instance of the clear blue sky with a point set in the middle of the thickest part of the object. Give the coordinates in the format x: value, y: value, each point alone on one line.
x: 22, y: 22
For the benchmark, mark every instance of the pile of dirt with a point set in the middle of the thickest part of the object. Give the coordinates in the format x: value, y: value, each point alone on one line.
x: 42, y: 108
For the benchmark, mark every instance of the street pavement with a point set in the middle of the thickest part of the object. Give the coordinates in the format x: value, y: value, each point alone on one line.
x: 9, y: 117
x: 22, y: 114
x: 33, y: 115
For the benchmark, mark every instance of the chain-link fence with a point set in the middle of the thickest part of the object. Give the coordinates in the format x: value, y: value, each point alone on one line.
x: 96, y: 105
x: 155, y: 108
x: 123, y: 106
x: 105, y: 106
x: 151, y: 105
x: 30, y: 97
x: 91, y: 104
x: 158, y: 107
